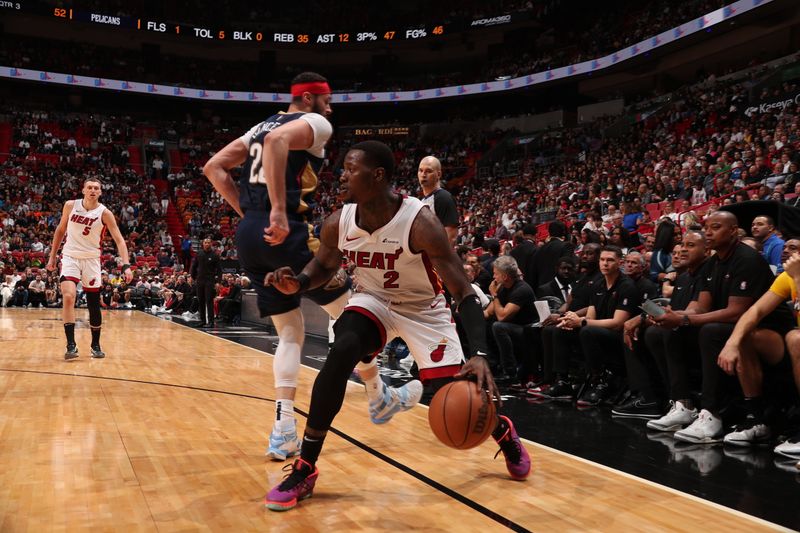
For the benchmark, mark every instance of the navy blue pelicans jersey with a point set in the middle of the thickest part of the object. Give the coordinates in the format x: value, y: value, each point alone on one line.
x: 302, y: 167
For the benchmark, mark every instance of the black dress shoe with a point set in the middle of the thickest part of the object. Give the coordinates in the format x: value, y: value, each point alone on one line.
x: 637, y: 407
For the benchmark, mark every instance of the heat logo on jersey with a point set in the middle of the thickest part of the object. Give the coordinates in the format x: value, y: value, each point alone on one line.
x: 86, y: 221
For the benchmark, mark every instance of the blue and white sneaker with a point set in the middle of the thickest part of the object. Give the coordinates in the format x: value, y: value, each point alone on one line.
x: 395, y: 400
x: 283, y: 445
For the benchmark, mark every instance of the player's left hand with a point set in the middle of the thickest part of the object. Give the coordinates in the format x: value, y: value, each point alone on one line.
x: 128, y: 275
x: 278, y: 228
x: 478, y: 366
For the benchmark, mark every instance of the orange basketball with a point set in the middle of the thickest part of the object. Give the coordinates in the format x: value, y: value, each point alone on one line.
x: 461, y: 416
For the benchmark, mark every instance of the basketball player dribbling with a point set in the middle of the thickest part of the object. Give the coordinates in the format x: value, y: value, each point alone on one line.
x: 281, y: 159
x: 395, y: 243
x: 84, y: 222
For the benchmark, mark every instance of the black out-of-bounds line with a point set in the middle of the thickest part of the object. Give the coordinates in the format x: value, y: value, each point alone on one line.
x: 500, y: 519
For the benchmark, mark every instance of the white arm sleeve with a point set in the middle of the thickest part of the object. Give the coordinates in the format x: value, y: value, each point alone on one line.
x: 247, y: 136
x: 322, y: 132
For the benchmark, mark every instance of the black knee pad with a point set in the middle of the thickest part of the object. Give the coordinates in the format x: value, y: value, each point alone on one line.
x: 93, y: 303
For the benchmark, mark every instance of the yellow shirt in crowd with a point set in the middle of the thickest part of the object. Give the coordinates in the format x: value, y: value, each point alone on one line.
x: 785, y: 287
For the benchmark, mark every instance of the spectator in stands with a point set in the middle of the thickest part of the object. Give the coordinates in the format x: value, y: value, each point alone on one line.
x: 629, y: 217
x: 37, y: 245
x: 667, y: 235
x: 36, y: 296
x: 20, y: 296
x: 668, y: 211
x: 230, y: 306
x: 751, y: 242
x: 186, y: 249
x: 771, y: 246
x: 599, y: 334
x: 643, y: 402
x: 610, y: 213
x: 699, y: 195
x: 107, y: 297
x: 157, y: 167
x: 752, y: 345
x: 560, y: 287
x: 635, y: 268
x: 6, y: 291
x: 512, y: 308
x: 594, y: 223
x: 620, y: 238
x: 525, y: 252
x: 547, y: 257
x: 732, y: 281
x: 165, y: 259
x: 493, y: 248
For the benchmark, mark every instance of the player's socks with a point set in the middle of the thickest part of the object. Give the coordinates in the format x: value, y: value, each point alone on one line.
x: 95, y: 335
x: 284, y: 415
x: 375, y: 387
x: 283, y: 440
x: 69, y: 330
x: 312, y: 446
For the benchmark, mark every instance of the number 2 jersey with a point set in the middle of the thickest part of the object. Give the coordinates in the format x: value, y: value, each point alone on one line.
x: 302, y: 166
x: 85, y: 230
x: 385, y: 266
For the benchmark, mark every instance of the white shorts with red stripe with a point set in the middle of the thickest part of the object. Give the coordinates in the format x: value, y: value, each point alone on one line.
x: 427, y: 329
x: 87, y: 271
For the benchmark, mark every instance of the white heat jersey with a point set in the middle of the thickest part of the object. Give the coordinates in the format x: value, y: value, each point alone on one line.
x: 385, y: 265
x: 85, y: 230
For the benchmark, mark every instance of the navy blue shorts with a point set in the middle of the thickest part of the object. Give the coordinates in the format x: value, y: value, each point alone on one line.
x: 258, y: 258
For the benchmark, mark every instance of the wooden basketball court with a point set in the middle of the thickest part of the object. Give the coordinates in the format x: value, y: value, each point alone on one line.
x: 168, y: 433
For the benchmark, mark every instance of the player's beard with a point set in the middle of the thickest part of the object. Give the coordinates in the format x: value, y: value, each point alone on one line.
x: 318, y: 107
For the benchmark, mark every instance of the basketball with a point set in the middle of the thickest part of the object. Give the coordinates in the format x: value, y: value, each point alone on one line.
x: 461, y: 416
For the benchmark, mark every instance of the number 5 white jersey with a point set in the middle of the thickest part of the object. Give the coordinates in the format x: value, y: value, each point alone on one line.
x: 385, y: 265
x: 85, y: 230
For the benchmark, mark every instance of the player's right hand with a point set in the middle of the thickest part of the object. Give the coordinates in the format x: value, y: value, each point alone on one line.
x: 278, y: 228
x: 792, y: 266
x: 478, y: 366
x: 282, y: 279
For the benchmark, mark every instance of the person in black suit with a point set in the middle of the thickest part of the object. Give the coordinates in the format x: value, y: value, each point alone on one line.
x: 205, y: 271
x: 547, y: 257
x: 493, y: 247
x: 525, y: 252
x: 561, y: 285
